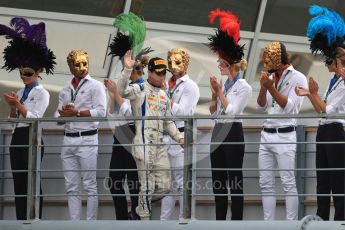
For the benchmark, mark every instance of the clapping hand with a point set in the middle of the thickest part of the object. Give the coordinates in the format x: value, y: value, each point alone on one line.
x: 11, y: 98
x: 216, y: 87
x: 111, y: 86
x: 300, y: 91
x: 313, y: 86
x: 68, y: 110
x: 265, y: 81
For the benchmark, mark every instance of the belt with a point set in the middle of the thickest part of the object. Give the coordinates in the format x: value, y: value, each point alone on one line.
x: 280, y: 130
x: 84, y: 133
x: 181, y: 129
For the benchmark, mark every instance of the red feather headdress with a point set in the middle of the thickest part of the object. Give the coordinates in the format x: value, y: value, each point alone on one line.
x: 225, y: 41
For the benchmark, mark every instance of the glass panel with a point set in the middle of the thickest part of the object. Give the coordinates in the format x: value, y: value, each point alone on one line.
x: 291, y: 17
x: 103, y: 8
x: 195, y: 12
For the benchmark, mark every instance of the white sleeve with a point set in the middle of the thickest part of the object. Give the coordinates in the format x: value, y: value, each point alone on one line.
x: 60, y: 104
x: 338, y: 99
x: 98, y: 101
x: 125, y: 109
x: 189, y: 99
x: 237, y: 106
x: 40, y: 106
x: 126, y: 90
x: 293, y: 99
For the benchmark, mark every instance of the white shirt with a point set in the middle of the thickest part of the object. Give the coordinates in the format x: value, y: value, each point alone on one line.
x: 36, y: 103
x: 335, y: 102
x: 125, y: 110
x: 290, y: 79
x: 185, y: 96
x: 238, y: 97
x: 91, y: 96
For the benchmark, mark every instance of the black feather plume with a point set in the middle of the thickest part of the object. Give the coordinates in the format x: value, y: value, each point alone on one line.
x: 120, y: 45
x: 320, y: 44
x: 225, y: 46
x: 23, y: 53
x: 143, y: 52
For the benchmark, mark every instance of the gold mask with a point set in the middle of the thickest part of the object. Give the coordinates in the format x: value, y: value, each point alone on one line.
x: 178, y: 61
x: 78, y: 62
x: 272, y: 57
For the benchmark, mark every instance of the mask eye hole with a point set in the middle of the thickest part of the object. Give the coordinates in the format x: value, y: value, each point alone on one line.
x: 26, y: 72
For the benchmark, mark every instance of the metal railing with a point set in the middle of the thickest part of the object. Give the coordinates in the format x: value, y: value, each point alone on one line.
x: 190, y: 169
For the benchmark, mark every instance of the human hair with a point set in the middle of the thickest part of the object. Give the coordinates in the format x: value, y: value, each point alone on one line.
x: 241, y: 65
x: 284, y: 54
x: 340, y: 51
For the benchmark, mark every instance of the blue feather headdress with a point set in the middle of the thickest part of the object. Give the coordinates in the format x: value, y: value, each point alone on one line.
x: 27, y: 47
x: 326, y: 32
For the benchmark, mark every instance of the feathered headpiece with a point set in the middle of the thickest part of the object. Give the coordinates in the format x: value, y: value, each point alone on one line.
x: 28, y: 46
x: 225, y: 41
x: 131, y: 35
x: 326, y: 32
x: 142, y: 59
x: 143, y: 54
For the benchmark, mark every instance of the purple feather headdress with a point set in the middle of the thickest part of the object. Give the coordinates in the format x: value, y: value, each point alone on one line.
x: 27, y: 47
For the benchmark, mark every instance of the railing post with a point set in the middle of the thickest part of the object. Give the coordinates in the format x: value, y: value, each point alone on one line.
x: 194, y: 172
x: 34, y: 161
x: 187, y: 168
x: 301, y: 163
x: 2, y: 175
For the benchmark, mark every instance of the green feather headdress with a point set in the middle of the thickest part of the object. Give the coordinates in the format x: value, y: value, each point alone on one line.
x: 131, y: 35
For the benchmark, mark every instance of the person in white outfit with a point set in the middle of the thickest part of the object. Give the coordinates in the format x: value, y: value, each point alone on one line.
x: 230, y: 99
x: 328, y: 155
x: 184, y: 95
x: 277, y: 96
x: 28, y: 53
x: 82, y: 97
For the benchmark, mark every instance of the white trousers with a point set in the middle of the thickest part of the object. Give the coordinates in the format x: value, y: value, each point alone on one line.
x: 85, y: 158
x: 176, y: 158
x: 282, y: 156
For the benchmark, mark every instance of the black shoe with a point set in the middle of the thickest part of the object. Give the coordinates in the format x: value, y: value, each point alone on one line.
x: 132, y: 215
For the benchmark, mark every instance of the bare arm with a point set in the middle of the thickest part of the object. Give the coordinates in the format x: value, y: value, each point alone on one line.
x: 262, y: 97
x: 278, y: 97
x: 215, y: 87
x: 317, y: 102
x: 213, y: 104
